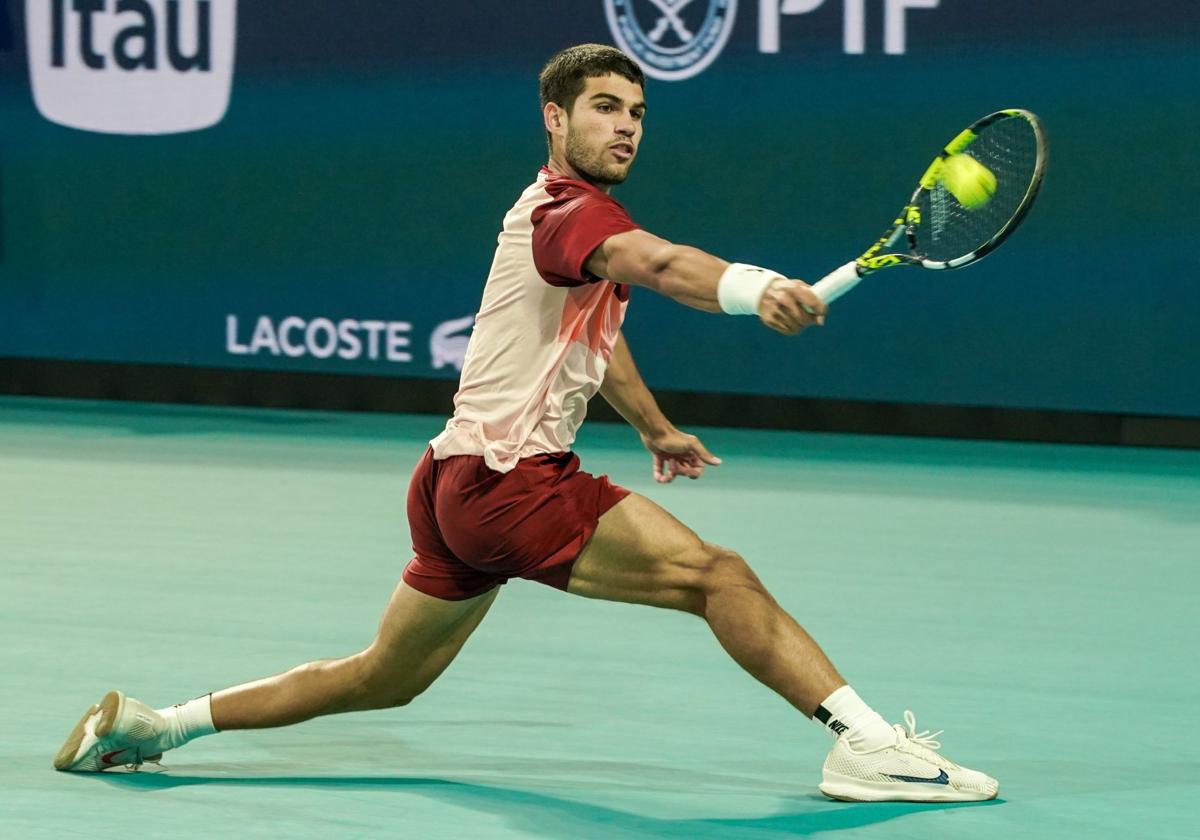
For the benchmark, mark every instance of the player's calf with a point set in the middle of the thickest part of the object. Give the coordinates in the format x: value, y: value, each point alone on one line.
x: 365, y: 681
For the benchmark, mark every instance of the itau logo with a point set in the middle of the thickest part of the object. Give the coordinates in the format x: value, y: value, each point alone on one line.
x: 671, y: 39
x: 132, y: 66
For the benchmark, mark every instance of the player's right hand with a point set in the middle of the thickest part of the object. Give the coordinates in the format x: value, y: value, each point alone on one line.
x: 789, y: 306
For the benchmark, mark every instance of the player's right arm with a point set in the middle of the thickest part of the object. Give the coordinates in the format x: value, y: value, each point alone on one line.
x: 695, y: 278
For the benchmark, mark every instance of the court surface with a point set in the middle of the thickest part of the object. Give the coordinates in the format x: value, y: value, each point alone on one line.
x: 1037, y: 602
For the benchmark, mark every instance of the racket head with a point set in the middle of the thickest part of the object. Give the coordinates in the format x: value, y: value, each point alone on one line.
x: 942, y: 233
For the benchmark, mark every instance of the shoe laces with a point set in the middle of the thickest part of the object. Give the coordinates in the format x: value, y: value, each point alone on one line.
x: 137, y: 764
x: 925, y: 739
x: 924, y: 745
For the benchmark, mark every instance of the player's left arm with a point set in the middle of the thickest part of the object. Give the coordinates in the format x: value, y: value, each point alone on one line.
x: 674, y: 452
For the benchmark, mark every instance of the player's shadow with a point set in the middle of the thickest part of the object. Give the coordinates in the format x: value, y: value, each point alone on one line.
x: 538, y: 814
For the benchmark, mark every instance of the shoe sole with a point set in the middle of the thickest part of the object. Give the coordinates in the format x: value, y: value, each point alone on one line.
x: 108, y: 707
x: 847, y: 789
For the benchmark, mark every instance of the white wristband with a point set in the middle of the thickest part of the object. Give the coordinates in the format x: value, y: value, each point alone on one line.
x: 741, y: 288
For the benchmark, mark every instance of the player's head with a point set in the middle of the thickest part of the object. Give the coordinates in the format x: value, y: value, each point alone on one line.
x: 592, y: 106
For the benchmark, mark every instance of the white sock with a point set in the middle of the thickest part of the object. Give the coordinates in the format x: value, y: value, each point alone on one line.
x: 845, y: 715
x: 186, y: 722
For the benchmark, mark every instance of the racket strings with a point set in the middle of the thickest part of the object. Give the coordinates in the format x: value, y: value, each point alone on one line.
x: 948, y: 231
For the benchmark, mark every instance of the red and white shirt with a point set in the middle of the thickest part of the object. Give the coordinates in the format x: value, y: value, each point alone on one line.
x: 545, y: 330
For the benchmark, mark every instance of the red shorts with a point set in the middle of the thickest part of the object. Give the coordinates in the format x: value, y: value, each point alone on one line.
x: 474, y: 528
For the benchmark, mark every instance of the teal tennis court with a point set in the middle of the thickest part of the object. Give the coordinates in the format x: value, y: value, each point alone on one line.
x: 1037, y: 602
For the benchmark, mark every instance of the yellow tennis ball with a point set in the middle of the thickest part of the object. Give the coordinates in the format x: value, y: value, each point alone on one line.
x: 968, y: 180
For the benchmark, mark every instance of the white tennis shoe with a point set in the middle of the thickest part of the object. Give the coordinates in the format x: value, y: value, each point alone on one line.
x: 909, y: 771
x: 116, y: 732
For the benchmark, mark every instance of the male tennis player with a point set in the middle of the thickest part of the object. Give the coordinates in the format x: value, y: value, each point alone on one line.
x: 499, y: 494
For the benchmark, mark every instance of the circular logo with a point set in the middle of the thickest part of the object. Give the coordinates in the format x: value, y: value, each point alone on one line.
x: 671, y: 39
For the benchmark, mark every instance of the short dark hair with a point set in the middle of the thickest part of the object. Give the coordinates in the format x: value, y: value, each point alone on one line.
x: 566, y: 73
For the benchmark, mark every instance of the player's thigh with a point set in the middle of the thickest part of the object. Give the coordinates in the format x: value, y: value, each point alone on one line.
x: 420, y: 635
x: 641, y: 554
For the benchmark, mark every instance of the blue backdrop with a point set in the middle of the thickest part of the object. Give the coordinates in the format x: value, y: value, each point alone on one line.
x: 338, y: 212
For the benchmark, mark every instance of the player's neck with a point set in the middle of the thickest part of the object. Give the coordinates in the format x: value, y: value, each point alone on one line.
x: 559, y: 166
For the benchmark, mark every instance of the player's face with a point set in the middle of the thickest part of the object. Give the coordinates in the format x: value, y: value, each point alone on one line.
x: 604, y: 129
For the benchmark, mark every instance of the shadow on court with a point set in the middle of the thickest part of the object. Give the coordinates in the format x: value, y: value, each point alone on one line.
x: 542, y: 815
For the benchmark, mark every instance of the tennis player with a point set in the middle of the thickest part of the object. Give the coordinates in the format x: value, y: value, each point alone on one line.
x: 499, y: 495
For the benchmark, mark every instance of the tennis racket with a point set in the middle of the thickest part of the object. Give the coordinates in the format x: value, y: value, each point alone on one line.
x: 935, y: 230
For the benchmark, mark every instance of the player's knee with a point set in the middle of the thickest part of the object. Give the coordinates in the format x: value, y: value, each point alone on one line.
x: 729, y: 569
x: 717, y: 569
x: 381, y: 687
x: 388, y: 694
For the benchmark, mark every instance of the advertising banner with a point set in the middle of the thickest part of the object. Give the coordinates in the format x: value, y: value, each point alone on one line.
x: 314, y: 186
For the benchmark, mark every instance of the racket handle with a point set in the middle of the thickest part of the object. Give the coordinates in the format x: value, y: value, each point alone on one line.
x: 835, y: 284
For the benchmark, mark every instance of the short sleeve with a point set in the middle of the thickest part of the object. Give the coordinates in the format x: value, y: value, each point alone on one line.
x: 568, y: 228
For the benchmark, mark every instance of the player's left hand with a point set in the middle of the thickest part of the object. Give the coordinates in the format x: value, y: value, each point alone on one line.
x: 677, y: 453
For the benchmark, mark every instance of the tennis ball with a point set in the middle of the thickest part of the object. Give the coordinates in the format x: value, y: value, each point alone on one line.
x: 968, y: 180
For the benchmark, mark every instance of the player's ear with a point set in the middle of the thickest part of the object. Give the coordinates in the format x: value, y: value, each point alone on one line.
x: 554, y: 116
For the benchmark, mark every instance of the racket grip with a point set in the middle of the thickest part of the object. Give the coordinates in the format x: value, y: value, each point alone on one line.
x: 835, y: 284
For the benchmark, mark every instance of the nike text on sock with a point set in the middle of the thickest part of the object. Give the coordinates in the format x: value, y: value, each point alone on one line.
x: 831, y: 723
x: 845, y: 715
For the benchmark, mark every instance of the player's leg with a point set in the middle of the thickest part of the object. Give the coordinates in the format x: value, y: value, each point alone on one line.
x: 641, y: 554
x: 417, y: 639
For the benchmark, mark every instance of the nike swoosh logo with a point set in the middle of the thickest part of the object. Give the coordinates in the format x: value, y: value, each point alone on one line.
x: 107, y: 757
x: 940, y: 779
